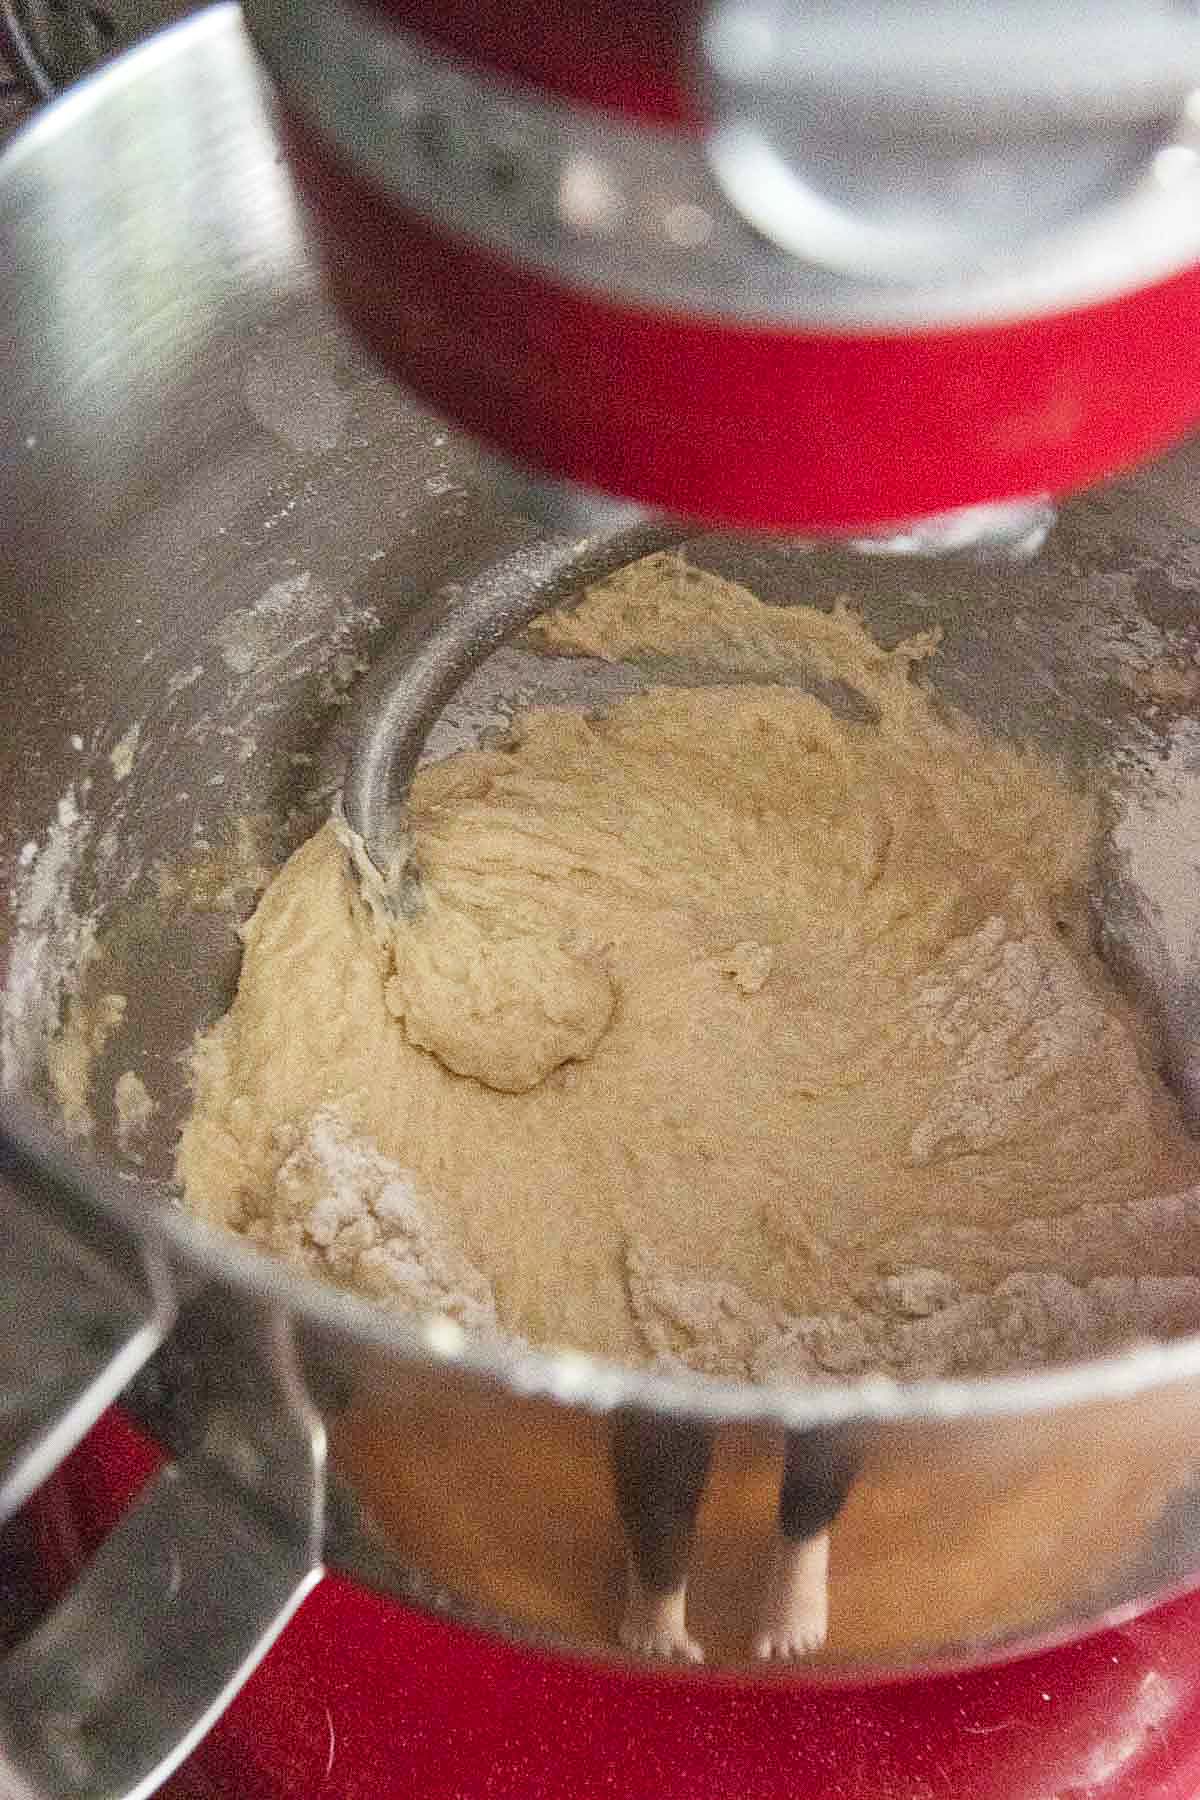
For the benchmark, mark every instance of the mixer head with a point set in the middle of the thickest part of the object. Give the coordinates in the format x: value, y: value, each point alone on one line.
x: 809, y: 268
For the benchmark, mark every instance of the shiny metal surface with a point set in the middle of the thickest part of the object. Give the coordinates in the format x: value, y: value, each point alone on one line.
x: 95, y: 1304
x: 50, y: 43
x: 896, y: 142
x: 626, y: 211
x: 109, y: 1693
x: 216, y: 512
x: 461, y: 626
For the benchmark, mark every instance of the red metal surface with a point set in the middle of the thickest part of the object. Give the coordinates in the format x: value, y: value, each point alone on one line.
x: 634, y: 57
x: 364, y: 1700
x: 755, y: 427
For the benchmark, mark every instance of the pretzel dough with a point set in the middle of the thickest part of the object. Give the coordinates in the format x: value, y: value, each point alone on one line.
x: 722, y: 1007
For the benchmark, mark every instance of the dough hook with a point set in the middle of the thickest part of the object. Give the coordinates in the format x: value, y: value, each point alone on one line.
x: 444, y: 643
x: 446, y: 640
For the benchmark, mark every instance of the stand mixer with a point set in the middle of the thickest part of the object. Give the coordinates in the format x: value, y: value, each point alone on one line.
x: 797, y: 268
x: 813, y: 269
x: 823, y: 269
x: 898, y: 282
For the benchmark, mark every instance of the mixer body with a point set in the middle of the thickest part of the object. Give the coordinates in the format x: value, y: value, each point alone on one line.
x: 805, y: 272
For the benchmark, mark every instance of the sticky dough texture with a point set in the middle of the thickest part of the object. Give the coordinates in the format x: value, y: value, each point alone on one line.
x: 724, y: 1013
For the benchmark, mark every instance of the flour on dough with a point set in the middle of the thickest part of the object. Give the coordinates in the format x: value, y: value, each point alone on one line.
x: 134, y: 1106
x: 344, y: 1211
x: 87, y: 1028
x: 739, y: 1030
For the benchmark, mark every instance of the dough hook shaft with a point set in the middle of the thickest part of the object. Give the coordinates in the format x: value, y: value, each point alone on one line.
x: 445, y: 642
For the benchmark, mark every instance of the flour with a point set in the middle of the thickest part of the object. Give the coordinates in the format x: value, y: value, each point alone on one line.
x: 87, y: 1028
x: 1013, y: 1015
x: 1152, y: 923
x: 51, y: 940
x: 124, y: 751
x: 134, y: 1107
x: 1158, y: 838
x: 344, y: 1211
x: 918, y: 1324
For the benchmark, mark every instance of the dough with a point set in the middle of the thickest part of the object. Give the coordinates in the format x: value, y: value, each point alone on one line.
x: 741, y: 1028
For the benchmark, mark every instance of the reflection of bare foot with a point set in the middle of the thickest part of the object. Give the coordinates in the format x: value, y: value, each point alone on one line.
x: 795, y: 1615
x: 654, y: 1624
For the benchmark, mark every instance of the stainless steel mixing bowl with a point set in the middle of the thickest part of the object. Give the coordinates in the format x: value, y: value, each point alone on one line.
x: 213, y: 510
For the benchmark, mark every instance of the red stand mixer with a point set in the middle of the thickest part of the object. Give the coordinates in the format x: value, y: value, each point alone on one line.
x: 363, y: 1698
x: 767, y: 265
x: 890, y: 273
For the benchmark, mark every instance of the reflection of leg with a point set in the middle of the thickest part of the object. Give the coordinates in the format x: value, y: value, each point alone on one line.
x: 795, y: 1614
x: 659, y: 1470
x: 817, y: 1476
x: 656, y: 1624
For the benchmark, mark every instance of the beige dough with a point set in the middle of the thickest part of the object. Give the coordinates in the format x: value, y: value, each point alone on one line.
x: 734, y: 1033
